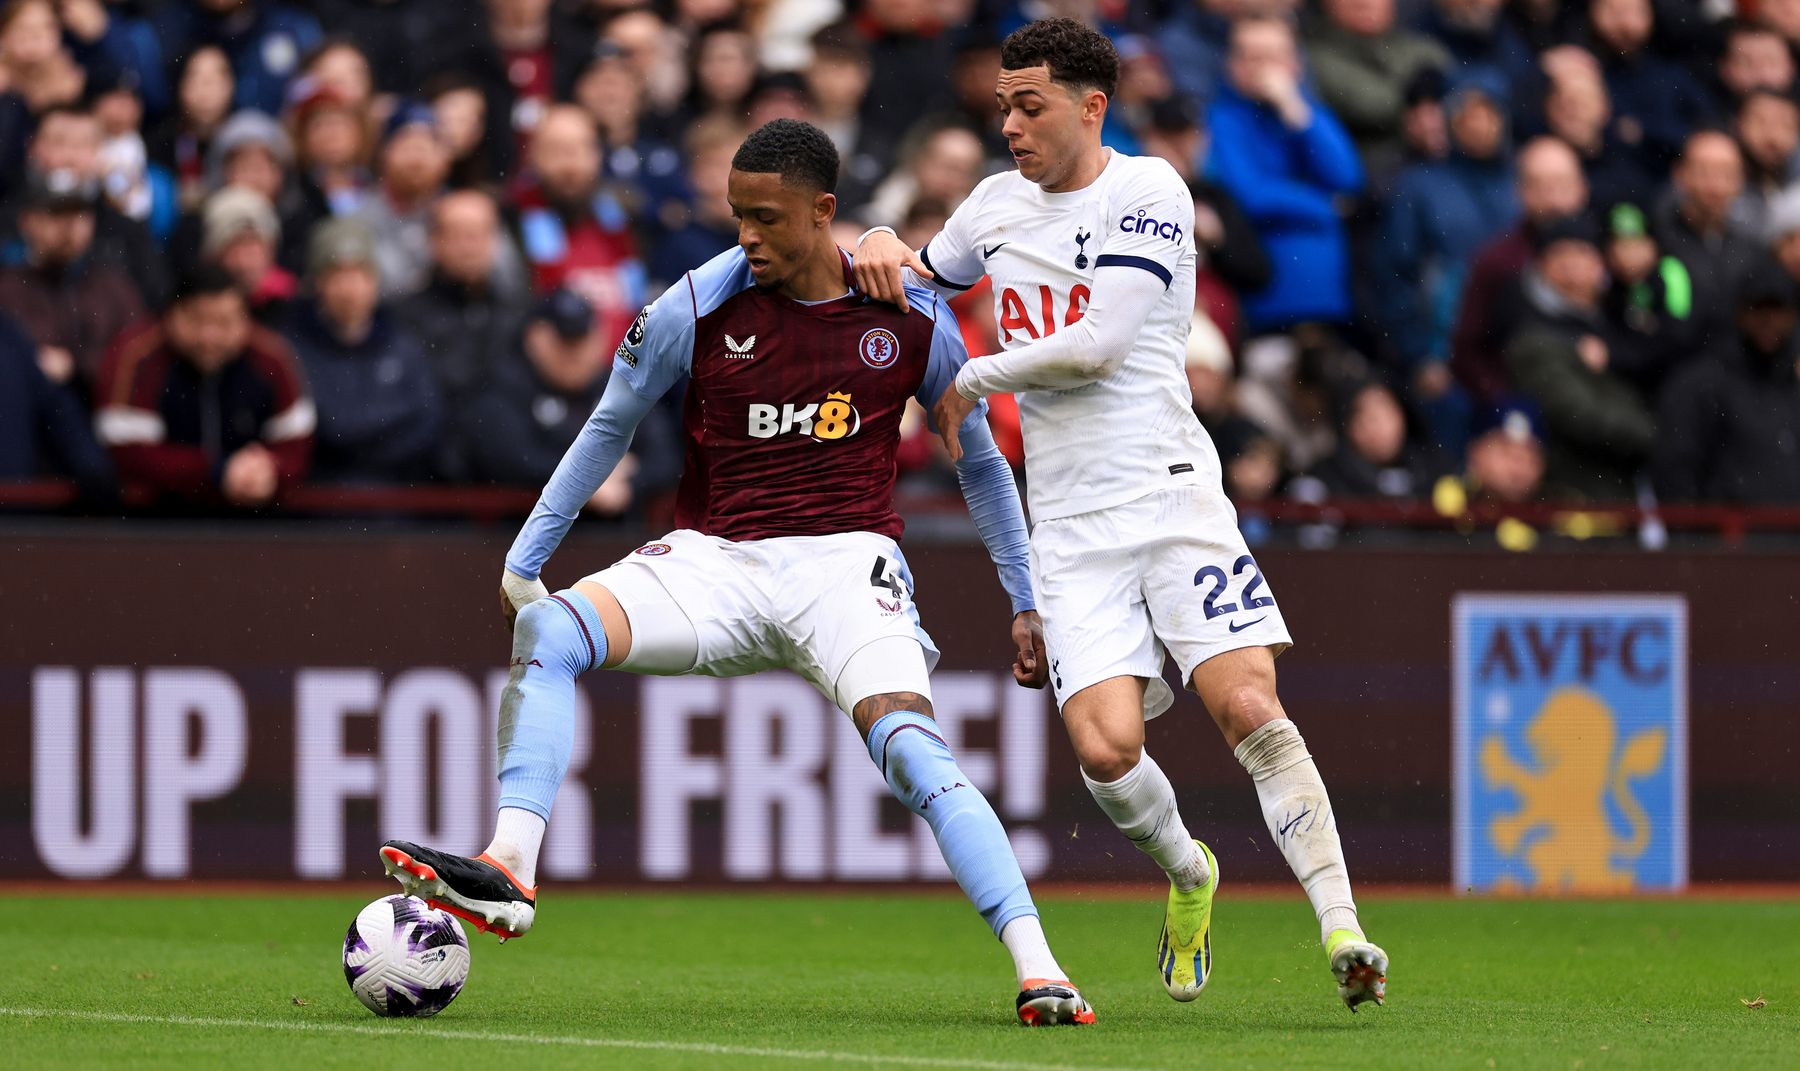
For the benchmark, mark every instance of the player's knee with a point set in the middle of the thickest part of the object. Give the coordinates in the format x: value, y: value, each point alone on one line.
x: 547, y: 632
x: 873, y: 708
x: 1108, y: 756
x: 1245, y: 708
x: 536, y: 621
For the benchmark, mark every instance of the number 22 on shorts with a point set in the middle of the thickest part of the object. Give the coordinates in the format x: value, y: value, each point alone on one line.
x: 1216, y: 576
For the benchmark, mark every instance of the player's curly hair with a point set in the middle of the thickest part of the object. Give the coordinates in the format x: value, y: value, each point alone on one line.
x: 1076, y: 54
x: 800, y: 153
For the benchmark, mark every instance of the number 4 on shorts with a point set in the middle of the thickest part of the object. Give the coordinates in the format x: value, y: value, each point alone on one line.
x: 886, y: 574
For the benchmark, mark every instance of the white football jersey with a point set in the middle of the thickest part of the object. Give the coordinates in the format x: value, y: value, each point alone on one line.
x: 1133, y: 432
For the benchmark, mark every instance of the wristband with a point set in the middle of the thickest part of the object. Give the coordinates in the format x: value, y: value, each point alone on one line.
x: 520, y: 591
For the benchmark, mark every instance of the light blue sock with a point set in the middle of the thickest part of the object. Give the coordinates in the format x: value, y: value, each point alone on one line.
x: 923, y: 774
x: 555, y: 640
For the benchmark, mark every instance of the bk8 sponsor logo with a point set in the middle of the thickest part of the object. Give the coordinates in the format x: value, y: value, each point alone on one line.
x: 834, y: 418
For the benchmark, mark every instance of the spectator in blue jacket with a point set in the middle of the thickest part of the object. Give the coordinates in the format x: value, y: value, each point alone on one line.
x: 1441, y: 214
x: 265, y: 39
x: 380, y: 414
x: 43, y: 428
x: 1286, y: 160
x: 1196, y: 36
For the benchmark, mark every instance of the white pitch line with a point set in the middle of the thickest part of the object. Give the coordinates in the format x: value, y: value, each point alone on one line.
x: 698, y: 1047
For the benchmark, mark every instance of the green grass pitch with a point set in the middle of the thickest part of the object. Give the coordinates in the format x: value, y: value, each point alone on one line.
x: 676, y: 980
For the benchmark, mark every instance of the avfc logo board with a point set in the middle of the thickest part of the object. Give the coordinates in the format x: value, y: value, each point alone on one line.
x: 1570, y: 743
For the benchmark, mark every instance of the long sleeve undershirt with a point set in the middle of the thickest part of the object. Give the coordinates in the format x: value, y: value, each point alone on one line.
x: 1091, y: 349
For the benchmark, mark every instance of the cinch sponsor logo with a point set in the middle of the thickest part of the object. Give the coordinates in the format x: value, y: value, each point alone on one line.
x: 834, y: 418
x: 1142, y: 223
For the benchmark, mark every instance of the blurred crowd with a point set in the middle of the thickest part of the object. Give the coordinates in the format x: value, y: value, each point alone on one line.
x: 1450, y: 250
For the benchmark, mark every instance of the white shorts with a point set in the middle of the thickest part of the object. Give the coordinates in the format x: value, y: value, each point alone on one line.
x: 1166, y: 572
x: 805, y: 603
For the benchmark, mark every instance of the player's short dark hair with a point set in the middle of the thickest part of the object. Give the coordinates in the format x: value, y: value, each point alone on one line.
x: 799, y: 152
x: 205, y: 280
x: 1077, y: 55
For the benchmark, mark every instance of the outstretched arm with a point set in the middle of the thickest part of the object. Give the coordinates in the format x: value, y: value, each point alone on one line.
x: 1137, y: 260
x: 982, y: 471
x: 1092, y: 348
x: 881, y: 263
x: 947, y: 264
x: 1089, y: 350
x: 993, y: 498
x: 987, y: 486
x: 589, y: 460
x: 655, y: 353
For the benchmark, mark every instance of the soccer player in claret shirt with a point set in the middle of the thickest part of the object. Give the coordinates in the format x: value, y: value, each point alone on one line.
x: 785, y: 554
x: 1135, y: 548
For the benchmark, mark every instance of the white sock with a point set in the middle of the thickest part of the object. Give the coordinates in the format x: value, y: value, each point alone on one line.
x: 518, y: 834
x: 1300, y: 819
x: 1142, y: 805
x: 1024, y: 938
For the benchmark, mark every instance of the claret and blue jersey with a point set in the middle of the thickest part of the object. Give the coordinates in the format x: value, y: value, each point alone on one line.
x: 793, y: 409
x: 791, y: 418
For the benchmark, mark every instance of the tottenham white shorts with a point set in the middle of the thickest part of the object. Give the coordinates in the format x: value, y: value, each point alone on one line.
x: 1166, y: 572
x: 805, y: 603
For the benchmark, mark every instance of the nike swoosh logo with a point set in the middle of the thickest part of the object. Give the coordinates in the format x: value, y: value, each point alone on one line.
x: 987, y: 251
x: 1247, y: 624
x: 1289, y: 827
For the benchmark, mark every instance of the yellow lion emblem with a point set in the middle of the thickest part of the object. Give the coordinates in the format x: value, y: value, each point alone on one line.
x: 1562, y: 829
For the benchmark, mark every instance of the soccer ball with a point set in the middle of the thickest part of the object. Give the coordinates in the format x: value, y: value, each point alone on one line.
x: 403, y: 957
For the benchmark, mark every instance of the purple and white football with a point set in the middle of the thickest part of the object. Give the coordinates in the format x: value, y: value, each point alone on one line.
x: 403, y: 957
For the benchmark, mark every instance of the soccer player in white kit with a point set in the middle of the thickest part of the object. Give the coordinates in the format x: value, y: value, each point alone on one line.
x: 1135, y: 549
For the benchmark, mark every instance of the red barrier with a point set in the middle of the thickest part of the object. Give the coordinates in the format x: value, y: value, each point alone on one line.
x: 486, y: 504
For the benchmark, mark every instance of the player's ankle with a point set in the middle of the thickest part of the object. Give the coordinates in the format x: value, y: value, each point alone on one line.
x: 518, y: 835
x: 1191, y: 874
x: 1340, y: 924
x: 1030, y: 950
x: 507, y: 857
